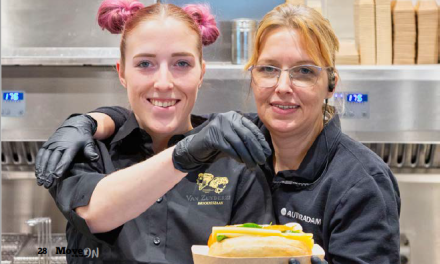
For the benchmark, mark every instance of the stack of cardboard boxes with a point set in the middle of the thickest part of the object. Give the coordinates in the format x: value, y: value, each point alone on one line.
x: 365, y: 20
x: 404, y: 33
x: 427, y: 32
x: 390, y: 32
x: 384, y: 36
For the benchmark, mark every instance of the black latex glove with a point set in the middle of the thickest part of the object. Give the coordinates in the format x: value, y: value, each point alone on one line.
x: 56, y: 154
x: 228, y: 134
x: 314, y: 260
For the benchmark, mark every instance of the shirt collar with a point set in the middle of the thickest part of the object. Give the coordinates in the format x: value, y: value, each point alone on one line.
x: 131, y: 127
x: 315, y: 161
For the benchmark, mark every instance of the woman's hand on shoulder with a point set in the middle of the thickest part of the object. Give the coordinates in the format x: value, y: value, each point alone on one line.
x: 58, y: 152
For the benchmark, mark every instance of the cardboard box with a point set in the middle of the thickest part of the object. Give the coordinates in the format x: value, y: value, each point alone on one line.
x: 365, y: 23
x: 384, y: 30
x: 427, y: 34
x: 296, y: 2
x: 200, y: 256
x: 348, y: 54
x: 404, y: 30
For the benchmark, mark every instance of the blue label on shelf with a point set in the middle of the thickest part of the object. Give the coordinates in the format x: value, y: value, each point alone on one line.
x: 13, y: 96
x: 357, y: 98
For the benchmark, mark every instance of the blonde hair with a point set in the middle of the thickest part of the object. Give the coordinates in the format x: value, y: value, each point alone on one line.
x: 318, y: 36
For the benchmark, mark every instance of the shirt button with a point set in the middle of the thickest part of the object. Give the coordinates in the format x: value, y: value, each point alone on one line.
x: 159, y: 200
x: 156, y: 241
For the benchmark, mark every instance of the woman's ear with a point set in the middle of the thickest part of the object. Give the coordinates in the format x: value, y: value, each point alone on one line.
x: 333, y: 82
x: 336, y: 79
x: 203, y: 73
x: 121, y: 74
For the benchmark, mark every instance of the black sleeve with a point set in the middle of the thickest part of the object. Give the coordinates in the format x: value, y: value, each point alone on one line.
x: 75, y: 190
x: 117, y: 113
x: 253, y: 199
x: 365, y: 226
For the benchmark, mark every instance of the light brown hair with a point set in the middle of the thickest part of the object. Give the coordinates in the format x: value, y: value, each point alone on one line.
x: 316, y: 31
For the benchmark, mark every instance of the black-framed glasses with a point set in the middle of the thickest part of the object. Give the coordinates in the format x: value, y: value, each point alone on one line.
x: 265, y: 76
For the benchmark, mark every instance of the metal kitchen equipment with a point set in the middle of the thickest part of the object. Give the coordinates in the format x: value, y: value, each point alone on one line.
x: 22, y: 248
x: 243, y: 35
x: 44, y: 238
x: 60, y: 70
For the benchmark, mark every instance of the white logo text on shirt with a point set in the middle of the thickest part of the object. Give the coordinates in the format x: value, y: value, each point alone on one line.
x: 301, y: 217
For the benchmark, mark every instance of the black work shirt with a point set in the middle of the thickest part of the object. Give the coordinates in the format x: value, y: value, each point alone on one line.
x: 344, y: 194
x: 221, y: 193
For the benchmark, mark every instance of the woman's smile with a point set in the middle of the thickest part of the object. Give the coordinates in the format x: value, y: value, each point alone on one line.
x: 284, y: 108
x: 164, y: 106
x: 163, y: 103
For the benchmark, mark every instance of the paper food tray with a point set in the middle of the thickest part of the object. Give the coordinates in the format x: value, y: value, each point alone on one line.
x: 200, y: 256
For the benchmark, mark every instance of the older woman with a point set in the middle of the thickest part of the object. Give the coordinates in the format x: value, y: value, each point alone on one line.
x: 334, y: 186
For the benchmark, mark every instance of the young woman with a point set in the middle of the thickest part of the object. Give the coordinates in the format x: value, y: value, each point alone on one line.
x: 145, y: 199
x: 335, y: 187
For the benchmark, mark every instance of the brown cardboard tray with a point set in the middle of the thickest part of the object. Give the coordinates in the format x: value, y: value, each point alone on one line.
x: 200, y: 256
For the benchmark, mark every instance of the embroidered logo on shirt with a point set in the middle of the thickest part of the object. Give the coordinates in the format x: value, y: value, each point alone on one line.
x: 208, y: 199
x: 301, y: 217
x: 208, y: 183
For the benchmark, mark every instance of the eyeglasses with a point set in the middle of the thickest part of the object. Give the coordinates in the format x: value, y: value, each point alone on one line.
x: 302, y: 76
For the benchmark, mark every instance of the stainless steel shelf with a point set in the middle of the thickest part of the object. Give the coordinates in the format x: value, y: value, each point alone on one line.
x: 60, y: 56
x: 390, y: 73
x: 105, y: 56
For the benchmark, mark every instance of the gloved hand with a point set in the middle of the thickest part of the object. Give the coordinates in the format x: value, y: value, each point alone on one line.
x: 314, y: 260
x: 228, y: 134
x: 56, y: 154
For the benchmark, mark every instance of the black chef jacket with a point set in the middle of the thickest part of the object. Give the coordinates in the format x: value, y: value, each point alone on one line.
x: 219, y: 194
x: 342, y: 192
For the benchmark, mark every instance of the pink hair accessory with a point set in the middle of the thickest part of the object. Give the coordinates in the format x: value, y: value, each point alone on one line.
x: 112, y: 14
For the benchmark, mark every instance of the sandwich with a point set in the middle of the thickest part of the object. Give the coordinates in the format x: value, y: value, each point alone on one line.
x: 254, y: 241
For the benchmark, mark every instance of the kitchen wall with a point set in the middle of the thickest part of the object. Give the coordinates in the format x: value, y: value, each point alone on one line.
x: 67, y: 23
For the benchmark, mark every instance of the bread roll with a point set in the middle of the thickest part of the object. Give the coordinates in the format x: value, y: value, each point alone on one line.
x: 258, y: 246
